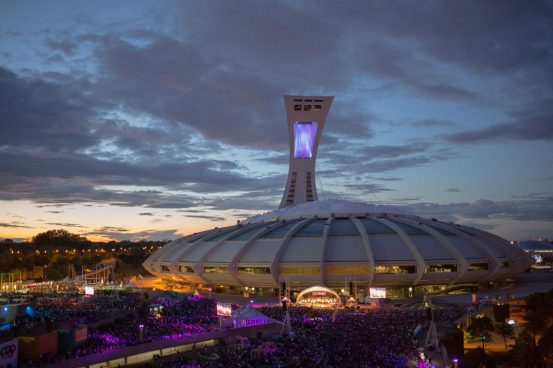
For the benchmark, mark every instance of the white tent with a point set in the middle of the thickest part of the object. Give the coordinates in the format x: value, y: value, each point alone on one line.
x: 246, y: 316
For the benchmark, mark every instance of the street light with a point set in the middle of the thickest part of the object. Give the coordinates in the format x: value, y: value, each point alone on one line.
x: 141, y: 329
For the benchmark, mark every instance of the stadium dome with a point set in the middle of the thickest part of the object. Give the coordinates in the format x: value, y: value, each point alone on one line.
x: 330, y: 242
x: 306, y: 242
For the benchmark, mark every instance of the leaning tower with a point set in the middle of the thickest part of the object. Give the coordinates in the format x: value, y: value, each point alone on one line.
x: 306, y: 116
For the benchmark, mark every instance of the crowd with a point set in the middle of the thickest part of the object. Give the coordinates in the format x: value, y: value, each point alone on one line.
x: 49, y: 311
x: 179, y: 317
x: 321, y: 338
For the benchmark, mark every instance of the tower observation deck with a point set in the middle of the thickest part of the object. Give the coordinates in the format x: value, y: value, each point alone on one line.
x: 306, y: 116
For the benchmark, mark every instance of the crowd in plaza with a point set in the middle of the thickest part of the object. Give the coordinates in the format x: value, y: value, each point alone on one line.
x: 320, y: 337
x: 50, y: 311
x: 177, y: 317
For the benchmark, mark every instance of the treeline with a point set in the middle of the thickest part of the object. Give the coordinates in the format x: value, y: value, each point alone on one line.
x: 49, y: 254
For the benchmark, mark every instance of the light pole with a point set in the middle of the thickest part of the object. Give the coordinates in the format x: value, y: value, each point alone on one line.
x: 141, y: 329
x: 455, y: 363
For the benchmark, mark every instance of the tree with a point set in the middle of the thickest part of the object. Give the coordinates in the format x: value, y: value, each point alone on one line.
x: 539, y: 315
x: 59, y: 237
x: 545, y: 346
x: 525, y: 351
x: 505, y: 330
x: 481, y: 327
x: 476, y: 358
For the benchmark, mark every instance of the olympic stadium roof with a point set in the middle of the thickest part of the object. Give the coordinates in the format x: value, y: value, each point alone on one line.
x: 328, y: 241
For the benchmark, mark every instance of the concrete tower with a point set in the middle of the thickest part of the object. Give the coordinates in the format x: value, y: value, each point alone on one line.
x: 306, y: 116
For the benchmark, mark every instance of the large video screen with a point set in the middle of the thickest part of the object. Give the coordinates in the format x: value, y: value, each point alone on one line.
x: 224, y: 310
x: 304, y: 138
x: 377, y: 292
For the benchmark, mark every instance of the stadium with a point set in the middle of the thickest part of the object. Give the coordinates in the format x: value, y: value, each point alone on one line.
x: 335, y: 243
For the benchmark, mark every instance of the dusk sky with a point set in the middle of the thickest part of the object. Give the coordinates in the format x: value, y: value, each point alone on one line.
x: 155, y: 119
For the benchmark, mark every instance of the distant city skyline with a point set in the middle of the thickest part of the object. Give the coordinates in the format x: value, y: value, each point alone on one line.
x: 142, y: 119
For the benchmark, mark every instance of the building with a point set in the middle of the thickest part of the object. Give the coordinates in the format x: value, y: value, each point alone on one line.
x: 334, y: 243
x: 541, y: 251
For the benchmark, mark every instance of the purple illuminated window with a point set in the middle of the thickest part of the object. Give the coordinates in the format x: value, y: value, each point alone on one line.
x: 304, y: 138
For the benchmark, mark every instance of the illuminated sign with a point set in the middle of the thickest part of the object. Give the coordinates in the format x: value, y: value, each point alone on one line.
x: 377, y: 292
x: 89, y: 290
x: 224, y: 310
x: 304, y: 138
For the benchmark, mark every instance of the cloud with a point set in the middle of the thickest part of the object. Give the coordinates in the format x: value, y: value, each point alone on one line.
x: 119, y: 234
x: 210, y: 218
x: 385, y: 178
x: 112, y: 229
x: 365, y: 188
x: 371, y: 152
x: 66, y: 46
x: 282, y: 159
x: 153, y: 117
x: 145, y: 214
x: 15, y: 225
x: 431, y: 123
x: 394, y: 164
x: 407, y: 199
x: 191, y: 211
x: 536, y: 209
x: 453, y: 190
x: 531, y: 129
x: 40, y: 114
x: 64, y: 224
x: 482, y: 226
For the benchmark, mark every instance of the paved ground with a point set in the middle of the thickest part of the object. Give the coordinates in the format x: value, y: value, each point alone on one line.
x: 524, y: 284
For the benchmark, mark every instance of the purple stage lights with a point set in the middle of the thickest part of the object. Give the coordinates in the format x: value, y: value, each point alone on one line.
x: 304, y: 138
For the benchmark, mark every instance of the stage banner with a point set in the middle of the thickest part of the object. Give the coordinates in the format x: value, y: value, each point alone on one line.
x: 8, y: 354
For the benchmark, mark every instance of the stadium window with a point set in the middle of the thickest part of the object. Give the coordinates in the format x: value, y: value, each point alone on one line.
x: 164, y: 268
x: 254, y: 270
x: 395, y: 269
x: 440, y: 268
x: 347, y: 270
x: 298, y: 100
x: 478, y: 267
x: 319, y: 100
x: 504, y: 264
x: 215, y: 269
x: 307, y: 107
x: 186, y: 269
x: 317, y: 108
x: 297, y: 107
x: 285, y: 270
